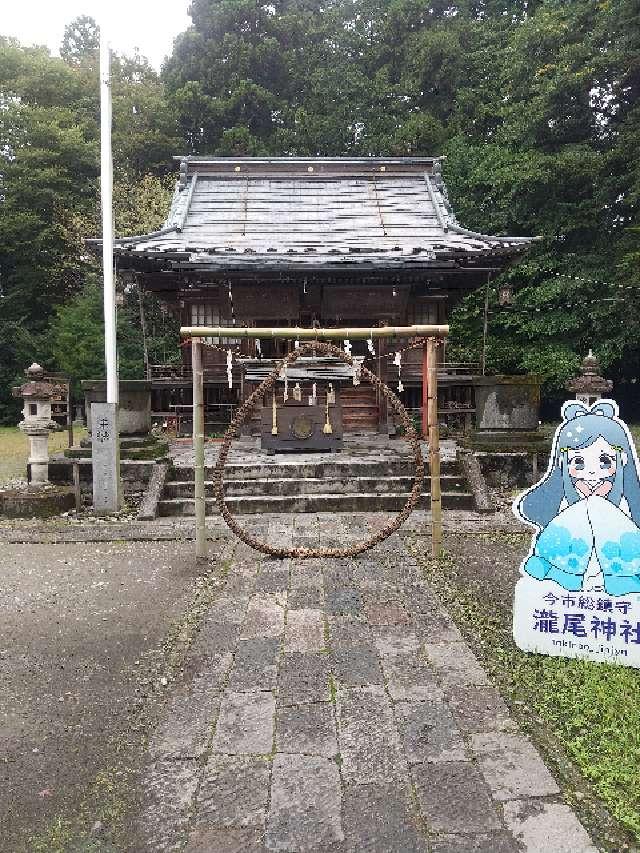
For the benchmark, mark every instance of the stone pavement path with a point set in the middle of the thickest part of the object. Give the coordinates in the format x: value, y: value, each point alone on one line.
x: 334, y: 706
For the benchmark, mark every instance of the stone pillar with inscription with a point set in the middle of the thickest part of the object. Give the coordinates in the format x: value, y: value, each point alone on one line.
x: 105, y: 447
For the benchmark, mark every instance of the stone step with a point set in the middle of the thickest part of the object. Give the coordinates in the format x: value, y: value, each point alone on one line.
x: 285, y: 469
x: 348, y: 502
x: 313, y: 485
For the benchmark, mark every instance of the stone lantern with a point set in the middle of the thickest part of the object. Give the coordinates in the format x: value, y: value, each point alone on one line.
x: 37, y: 424
x: 590, y: 385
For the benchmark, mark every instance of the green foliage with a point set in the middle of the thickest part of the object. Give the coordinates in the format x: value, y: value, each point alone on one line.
x: 49, y: 156
x: 81, y: 41
x: 76, y: 336
x: 534, y: 103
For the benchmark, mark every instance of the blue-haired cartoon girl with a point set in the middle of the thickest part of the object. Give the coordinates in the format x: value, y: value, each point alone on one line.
x: 587, y: 506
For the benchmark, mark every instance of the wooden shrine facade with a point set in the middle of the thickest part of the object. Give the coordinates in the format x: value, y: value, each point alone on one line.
x: 304, y: 241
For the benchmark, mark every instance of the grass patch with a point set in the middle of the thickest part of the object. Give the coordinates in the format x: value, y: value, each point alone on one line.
x: 583, y: 711
x: 106, y: 803
x: 14, y: 450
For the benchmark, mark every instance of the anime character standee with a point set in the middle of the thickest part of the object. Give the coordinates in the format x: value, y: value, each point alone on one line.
x: 586, y: 508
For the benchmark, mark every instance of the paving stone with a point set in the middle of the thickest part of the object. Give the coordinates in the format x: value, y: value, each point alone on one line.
x: 304, y: 631
x: 512, y: 766
x: 343, y: 602
x: 214, y: 639
x: 265, y: 617
x: 272, y: 580
x: 392, y: 613
x: 233, y: 793
x: 408, y: 677
x: 304, y: 813
x: 422, y: 598
x: 356, y: 666
x: 372, y: 574
x: 348, y: 631
x: 187, y: 723
x: 339, y: 574
x: 305, y: 599
x: 479, y: 709
x: 435, y: 628
x: 214, y: 668
x: 245, y: 724
x: 305, y: 576
x: 256, y: 665
x: 168, y: 789
x: 456, y: 664
x: 240, y: 583
x: 369, y: 742
x: 391, y: 641
x: 540, y: 827
x: 454, y: 798
x: 228, y: 608
x: 311, y: 541
x: 428, y: 732
x: 379, y: 819
x: 206, y: 840
x: 308, y: 729
x: 268, y: 565
x: 496, y: 842
x: 304, y: 677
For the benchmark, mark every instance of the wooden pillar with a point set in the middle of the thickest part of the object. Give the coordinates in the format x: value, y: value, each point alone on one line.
x: 198, y: 447
x: 434, y: 446
x: 425, y: 393
x: 383, y: 408
x: 69, y: 415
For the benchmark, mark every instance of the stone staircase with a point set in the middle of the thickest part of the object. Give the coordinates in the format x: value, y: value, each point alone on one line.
x: 328, y: 485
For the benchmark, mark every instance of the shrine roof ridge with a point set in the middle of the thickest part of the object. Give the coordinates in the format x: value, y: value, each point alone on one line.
x: 319, y: 211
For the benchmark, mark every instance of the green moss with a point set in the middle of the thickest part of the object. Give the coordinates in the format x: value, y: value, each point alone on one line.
x: 333, y: 690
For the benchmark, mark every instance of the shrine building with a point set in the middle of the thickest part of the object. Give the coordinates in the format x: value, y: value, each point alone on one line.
x: 304, y: 241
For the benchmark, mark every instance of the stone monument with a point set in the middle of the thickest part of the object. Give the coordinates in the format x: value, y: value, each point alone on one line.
x: 507, y: 413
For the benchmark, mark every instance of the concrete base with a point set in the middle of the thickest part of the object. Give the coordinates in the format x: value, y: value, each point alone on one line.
x: 38, y: 501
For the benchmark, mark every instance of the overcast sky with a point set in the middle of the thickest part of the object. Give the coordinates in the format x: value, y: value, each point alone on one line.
x: 149, y: 25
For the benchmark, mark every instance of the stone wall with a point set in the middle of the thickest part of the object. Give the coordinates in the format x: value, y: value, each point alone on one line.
x: 135, y: 475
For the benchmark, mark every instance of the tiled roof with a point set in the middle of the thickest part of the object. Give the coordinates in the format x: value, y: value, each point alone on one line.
x: 252, y: 212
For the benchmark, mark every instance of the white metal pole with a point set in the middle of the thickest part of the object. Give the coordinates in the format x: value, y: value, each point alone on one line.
x: 105, y: 444
x: 106, y: 196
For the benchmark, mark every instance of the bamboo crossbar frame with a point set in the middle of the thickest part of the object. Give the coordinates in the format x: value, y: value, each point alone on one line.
x: 429, y: 379
x: 302, y: 334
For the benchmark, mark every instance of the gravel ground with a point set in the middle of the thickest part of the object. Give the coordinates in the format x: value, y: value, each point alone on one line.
x: 84, y: 641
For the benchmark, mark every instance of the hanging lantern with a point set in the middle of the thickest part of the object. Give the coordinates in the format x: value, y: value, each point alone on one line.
x: 505, y: 294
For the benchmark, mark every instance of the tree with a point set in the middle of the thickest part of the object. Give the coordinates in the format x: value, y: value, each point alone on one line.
x: 76, y: 335
x: 81, y: 41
